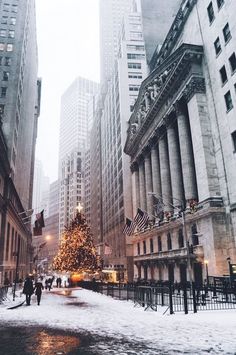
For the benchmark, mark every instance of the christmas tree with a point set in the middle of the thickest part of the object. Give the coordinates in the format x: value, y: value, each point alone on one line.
x: 77, y: 251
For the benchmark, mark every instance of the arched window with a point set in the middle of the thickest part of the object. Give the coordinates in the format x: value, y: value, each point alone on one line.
x: 169, y: 242
x: 194, y: 234
x: 181, y: 238
x: 159, y: 243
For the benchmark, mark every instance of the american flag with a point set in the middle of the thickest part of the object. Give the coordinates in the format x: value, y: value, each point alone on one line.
x: 129, y: 227
x: 141, y: 219
x: 39, y: 220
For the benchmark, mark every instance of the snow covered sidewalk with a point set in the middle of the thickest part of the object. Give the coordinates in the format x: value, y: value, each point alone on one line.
x: 82, y: 310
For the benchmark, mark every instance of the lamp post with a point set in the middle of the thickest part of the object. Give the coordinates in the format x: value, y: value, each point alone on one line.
x: 184, y: 231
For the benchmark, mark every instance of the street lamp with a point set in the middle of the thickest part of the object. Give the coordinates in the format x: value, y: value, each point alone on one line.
x: 180, y: 210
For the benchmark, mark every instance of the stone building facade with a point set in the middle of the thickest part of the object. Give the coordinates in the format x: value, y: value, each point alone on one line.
x: 20, y: 93
x: 181, y: 140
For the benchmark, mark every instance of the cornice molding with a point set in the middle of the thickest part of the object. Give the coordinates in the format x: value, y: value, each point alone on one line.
x: 196, y: 85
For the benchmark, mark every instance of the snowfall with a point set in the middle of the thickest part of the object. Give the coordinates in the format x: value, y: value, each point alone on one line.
x: 80, y: 310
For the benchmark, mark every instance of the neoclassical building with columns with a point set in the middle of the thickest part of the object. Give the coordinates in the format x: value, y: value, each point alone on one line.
x: 181, y: 141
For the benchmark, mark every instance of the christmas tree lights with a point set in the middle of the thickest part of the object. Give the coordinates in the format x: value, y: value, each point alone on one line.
x: 77, y: 252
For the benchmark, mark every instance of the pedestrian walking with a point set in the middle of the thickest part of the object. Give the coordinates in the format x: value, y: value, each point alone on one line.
x: 28, y: 289
x: 38, y: 290
x: 50, y: 284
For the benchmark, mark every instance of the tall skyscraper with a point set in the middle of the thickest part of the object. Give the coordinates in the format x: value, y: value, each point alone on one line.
x: 111, y: 15
x: 74, y: 125
x: 19, y: 102
x: 129, y: 71
x: 40, y: 190
x: 20, y: 93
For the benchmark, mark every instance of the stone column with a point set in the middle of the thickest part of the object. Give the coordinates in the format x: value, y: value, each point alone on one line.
x: 142, y: 185
x: 175, y: 166
x: 148, y: 182
x: 187, y: 160
x: 156, y: 177
x: 203, y: 148
x: 135, y: 187
x: 165, y: 174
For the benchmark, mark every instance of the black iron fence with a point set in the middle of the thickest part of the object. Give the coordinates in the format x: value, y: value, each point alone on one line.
x: 175, y: 297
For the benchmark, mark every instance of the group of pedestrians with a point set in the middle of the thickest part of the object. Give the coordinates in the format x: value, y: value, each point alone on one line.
x: 29, y: 289
x: 36, y: 287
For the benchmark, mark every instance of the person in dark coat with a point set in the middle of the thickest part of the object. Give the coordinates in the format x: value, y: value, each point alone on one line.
x: 38, y: 290
x: 28, y: 289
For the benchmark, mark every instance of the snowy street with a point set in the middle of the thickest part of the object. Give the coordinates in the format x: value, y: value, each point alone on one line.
x: 117, y: 327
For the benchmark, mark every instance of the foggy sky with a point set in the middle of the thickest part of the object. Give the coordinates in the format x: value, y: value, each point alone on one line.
x: 68, y: 46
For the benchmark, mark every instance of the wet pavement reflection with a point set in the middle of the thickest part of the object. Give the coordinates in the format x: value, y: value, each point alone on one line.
x: 42, y: 341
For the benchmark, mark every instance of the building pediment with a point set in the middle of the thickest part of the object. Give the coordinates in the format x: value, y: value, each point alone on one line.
x: 160, y: 87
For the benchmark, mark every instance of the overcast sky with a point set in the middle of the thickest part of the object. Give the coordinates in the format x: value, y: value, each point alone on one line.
x: 68, y: 46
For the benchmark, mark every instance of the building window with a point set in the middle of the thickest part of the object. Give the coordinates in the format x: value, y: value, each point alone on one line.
x: 144, y: 247
x: 220, y: 3
x: 151, y: 245
x: 135, y: 56
x: 232, y: 62
x: 3, y: 33
x: 136, y: 35
x: 226, y: 33
x: 217, y: 46
x: 12, y: 21
x: 5, y: 76
x: 2, y: 46
x: 6, y: 7
x: 3, y: 92
x: 210, y: 11
x: 134, y: 87
x: 7, y: 61
x: 195, y: 240
x: 169, y: 242
x: 9, y: 47
x: 233, y: 135
x: 4, y: 20
x: 11, y: 34
x: 138, y: 248
x: 159, y: 243
x: 14, y: 8
x: 135, y: 76
x: 133, y: 47
x: 228, y: 101
x: 0, y: 60
x: 134, y: 65
x: 181, y: 239
x: 223, y: 75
